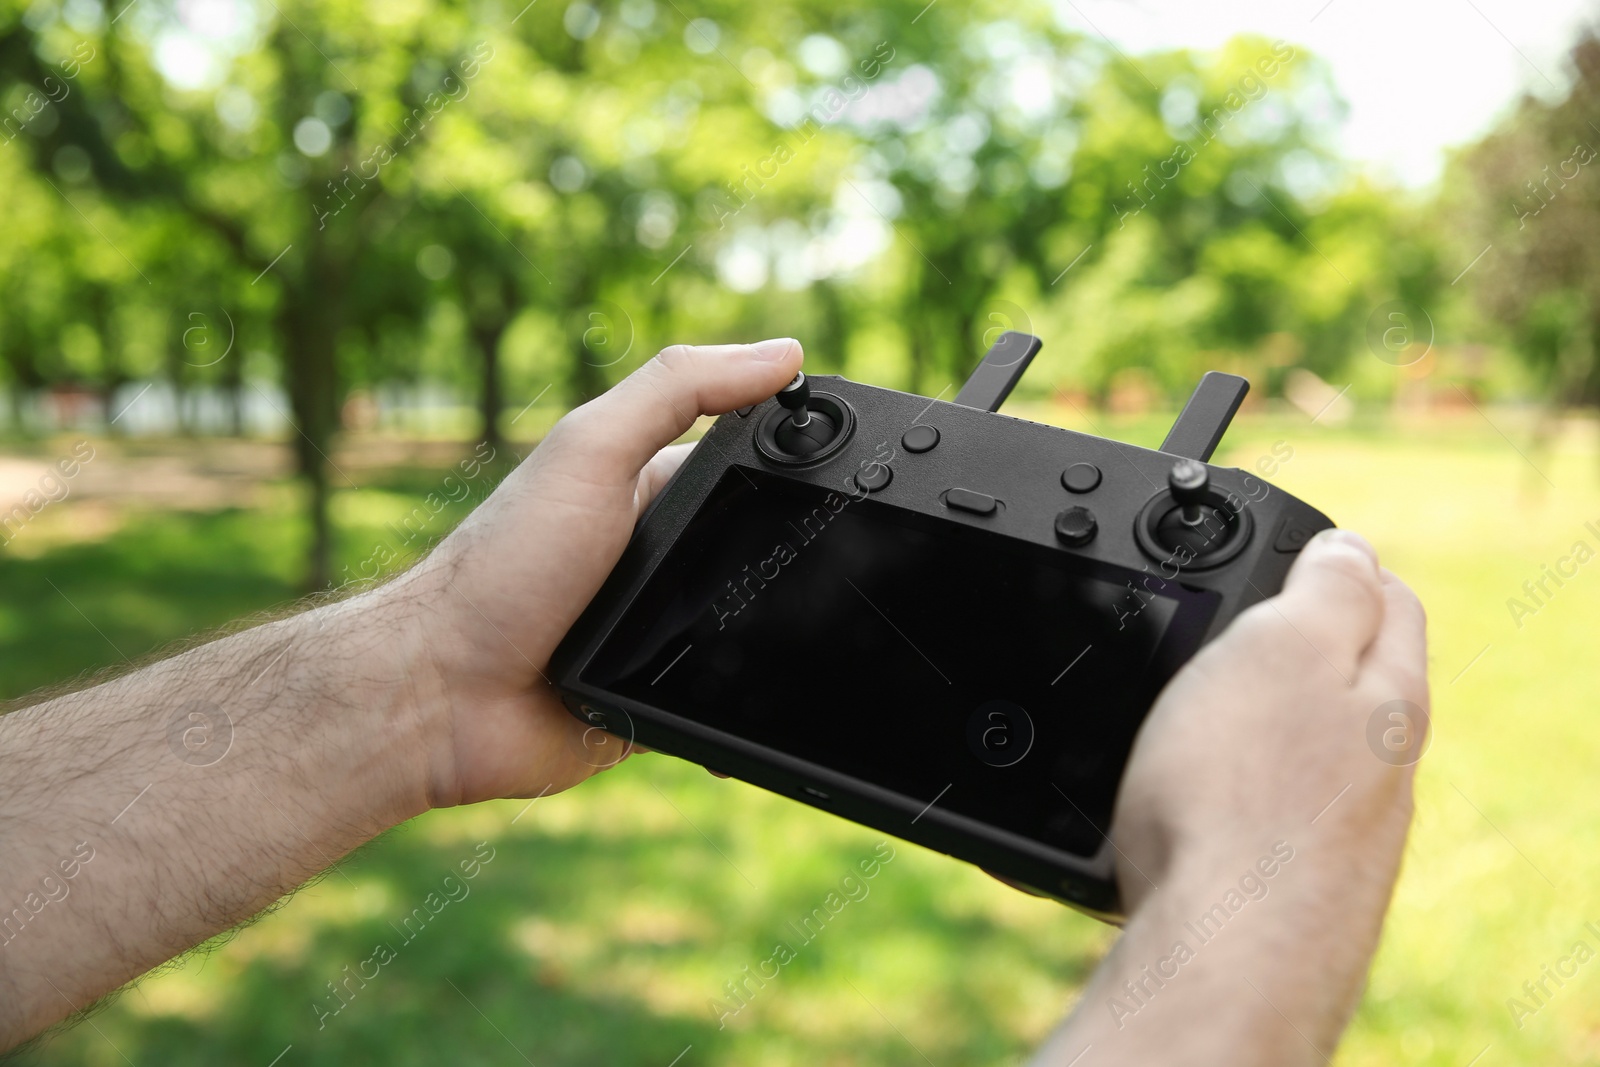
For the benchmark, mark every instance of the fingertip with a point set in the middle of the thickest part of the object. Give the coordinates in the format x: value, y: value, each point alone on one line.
x: 1339, y: 551
x: 723, y: 377
x: 1344, y: 540
x: 1400, y: 649
x: 1398, y: 594
x: 778, y: 350
x: 774, y: 362
x: 1333, y: 596
x: 621, y: 430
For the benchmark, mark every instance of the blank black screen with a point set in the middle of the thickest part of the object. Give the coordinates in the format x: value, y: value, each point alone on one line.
x: 930, y: 658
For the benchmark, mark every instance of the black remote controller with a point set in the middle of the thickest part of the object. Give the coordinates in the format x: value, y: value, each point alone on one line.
x: 929, y: 617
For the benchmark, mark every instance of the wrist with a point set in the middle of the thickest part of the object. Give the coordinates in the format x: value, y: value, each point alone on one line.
x: 383, y: 708
x: 1185, y: 964
x: 1357, y: 838
x: 470, y: 701
x: 1274, y: 930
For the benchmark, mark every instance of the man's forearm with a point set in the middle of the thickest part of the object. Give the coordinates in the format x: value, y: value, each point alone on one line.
x: 1257, y: 960
x: 141, y: 816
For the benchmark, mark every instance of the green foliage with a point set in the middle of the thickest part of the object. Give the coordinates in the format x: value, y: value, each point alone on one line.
x: 504, y: 201
x: 1529, y: 197
x: 563, y: 157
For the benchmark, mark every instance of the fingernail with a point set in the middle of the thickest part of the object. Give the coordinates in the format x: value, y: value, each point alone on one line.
x: 1348, y: 539
x: 775, y: 349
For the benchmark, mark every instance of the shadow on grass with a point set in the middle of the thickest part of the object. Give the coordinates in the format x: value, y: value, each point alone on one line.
x: 608, y: 922
x: 163, y: 576
x: 89, y: 605
x: 603, y: 939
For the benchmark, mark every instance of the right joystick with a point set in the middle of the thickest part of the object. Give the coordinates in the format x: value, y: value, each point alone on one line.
x: 1191, y: 487
x: 1193, y: 523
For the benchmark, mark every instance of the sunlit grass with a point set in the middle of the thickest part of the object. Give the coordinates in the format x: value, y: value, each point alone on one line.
x: 612, y: 917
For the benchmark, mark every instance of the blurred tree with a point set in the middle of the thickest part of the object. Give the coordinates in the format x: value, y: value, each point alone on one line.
x: 1190, y: 200
x: 381, y: 194
x: 261, y: 169
x: 1530, y: 197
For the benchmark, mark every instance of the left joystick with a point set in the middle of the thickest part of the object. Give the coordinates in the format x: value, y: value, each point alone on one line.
x: 794, y: 397
x: 1190, y: 484
x: 803, y: 426
x: 807, y: 431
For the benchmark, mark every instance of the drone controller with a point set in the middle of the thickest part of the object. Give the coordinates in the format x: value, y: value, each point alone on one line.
x: 929, y: 617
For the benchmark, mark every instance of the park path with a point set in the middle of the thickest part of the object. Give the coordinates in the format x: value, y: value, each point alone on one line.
x: 200, y: 474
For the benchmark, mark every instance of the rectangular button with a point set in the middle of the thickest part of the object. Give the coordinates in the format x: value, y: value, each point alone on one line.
x: 967, y: 500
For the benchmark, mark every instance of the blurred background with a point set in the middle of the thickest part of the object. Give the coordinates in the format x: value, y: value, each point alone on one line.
x: 288, y: 286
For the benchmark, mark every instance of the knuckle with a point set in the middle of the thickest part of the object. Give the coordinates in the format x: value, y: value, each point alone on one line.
x: 675, y: 359
x: 1353, y: 567
x: 1257, y: 623
x: 577, y: 423
x: 1261, y: 629
x: 1410, y: 681
x: 1413, y: 603
x: 1282, y: 632
x: 1349, y: 590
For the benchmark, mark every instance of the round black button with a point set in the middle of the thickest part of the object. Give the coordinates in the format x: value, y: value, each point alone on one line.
x: 1076, y: 526
x: 920, y: 438
x: 1080, y: 477
x: 874, y: 476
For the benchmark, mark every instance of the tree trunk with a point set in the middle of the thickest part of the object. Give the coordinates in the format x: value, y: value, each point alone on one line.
x: 492, y: 306
x: 233, y: 386
x: 487, y: 337
x: 178, y: 379
x: 113, y: 376
x: 319, y: 552
x: 966, y: 356
x: 917, y: 346
x: 309, y: 372
x: 19, y: 351
x: 17, y: 405
x: 586, y: 380
x: 834, y: 331
x: 308, y: 325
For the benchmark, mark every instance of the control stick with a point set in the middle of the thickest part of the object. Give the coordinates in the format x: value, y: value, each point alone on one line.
x: 806, y: 431
x: 1190, y: 484
x: 794, y: 397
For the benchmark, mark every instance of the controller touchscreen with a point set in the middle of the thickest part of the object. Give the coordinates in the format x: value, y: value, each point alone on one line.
x: 997, y: 678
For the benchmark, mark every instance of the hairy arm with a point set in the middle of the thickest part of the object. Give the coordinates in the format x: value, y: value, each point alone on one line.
x: 195, y: 792
x: 144, y: 815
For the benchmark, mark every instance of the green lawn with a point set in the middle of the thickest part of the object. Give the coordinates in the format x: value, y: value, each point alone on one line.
x: 610, y: 918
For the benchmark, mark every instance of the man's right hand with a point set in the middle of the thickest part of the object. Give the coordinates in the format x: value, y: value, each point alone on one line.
x: 1269, y: 724
x: 1258, y: 750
